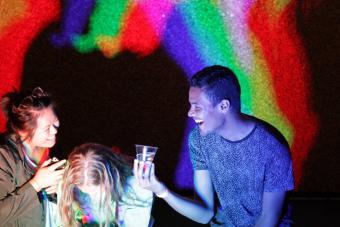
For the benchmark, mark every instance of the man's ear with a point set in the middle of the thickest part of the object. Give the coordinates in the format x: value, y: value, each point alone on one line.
x: 224, y: 105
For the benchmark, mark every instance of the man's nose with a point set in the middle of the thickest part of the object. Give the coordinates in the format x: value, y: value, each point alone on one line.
x: 191, y: 113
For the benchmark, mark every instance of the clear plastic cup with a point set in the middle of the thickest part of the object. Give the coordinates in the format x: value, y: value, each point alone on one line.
x: 145, y: 153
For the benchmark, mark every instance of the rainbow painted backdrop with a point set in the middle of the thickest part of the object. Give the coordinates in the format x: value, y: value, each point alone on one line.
x: 256, y: 38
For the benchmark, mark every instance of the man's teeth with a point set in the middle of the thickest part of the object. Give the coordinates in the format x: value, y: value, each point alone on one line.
x: 199, y: 121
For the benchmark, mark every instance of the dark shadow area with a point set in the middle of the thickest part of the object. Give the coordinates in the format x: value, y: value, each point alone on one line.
x: 315, y: 210
x: 318, y: 23
x: 165, y: 216
x: 305, y: 210
x: 122, y: 101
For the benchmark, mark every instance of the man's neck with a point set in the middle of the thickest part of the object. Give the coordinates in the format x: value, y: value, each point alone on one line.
x: 237, y: 126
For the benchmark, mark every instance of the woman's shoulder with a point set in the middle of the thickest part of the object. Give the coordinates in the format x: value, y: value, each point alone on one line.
x: 8, y: 148
x: 9, y: 154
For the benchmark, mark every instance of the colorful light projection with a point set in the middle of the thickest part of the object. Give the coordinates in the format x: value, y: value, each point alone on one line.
x: 20, y: 22
x: 256, y: 38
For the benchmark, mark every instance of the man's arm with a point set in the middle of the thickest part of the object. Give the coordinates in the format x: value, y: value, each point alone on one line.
x: 200, y: 211
x: 271, y: 209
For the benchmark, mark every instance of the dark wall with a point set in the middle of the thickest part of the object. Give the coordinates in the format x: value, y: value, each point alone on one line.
x: 320, y: 32
x: 116, y: 102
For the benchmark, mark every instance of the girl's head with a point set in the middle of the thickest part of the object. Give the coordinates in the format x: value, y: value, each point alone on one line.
x: 92, y: 185
x: 32, y: 117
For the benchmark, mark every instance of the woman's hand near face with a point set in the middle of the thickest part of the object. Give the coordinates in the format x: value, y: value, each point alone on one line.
x: 145, y: 174
x: 48, y: 176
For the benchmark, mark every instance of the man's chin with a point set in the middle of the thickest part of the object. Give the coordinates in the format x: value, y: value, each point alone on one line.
x: 203, y: 132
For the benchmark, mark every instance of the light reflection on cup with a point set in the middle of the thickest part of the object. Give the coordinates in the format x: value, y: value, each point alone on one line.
x: 145, y: 153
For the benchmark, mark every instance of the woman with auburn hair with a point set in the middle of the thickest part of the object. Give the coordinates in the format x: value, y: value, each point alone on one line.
x: 26, y: 176
x: 98, y: 189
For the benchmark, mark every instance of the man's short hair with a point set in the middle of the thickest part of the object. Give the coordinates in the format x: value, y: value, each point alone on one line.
x: 218, y: 83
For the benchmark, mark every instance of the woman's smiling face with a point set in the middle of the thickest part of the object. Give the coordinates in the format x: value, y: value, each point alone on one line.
x: 46, y: 129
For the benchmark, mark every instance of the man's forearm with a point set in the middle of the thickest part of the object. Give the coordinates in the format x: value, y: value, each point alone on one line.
x: 265, y: 221
x: 201, y: 212
x: 192, y: 209
x: 271, y: 209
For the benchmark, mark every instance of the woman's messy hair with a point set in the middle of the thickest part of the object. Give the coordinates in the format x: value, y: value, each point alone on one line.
x: 98, y: 165
x: 22, y: 110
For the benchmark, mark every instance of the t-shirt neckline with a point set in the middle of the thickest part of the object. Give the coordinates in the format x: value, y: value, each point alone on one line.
x: 244, y: 138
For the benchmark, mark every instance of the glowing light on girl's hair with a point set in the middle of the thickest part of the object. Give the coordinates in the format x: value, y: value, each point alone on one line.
x: 87, y: 209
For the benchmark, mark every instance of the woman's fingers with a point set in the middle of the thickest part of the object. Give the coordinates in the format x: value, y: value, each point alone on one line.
x: 57, y: 165
x: 52, y: 189
x: 46, y: 163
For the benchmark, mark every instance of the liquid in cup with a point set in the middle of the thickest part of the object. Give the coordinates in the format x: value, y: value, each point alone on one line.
x: 145, y: 153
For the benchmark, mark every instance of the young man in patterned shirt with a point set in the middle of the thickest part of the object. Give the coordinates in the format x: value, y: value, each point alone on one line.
x: 243, y: 160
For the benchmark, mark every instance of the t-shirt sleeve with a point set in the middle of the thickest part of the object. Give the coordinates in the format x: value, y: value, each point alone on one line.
x: 196, y: 153
x: 279, y: 170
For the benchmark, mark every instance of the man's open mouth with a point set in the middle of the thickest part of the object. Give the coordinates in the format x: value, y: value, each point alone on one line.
x: 199, y: 122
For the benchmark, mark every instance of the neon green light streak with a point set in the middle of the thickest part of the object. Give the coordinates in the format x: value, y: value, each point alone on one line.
x: 106, y: 20
x: 210, y: 36
x: 279, y: 5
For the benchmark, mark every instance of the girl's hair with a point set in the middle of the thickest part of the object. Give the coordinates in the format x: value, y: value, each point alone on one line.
x: 22, y: 110
x: 98, y: 165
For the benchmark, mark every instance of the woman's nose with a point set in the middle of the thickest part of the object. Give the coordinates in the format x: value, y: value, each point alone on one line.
x: 53, y: 130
